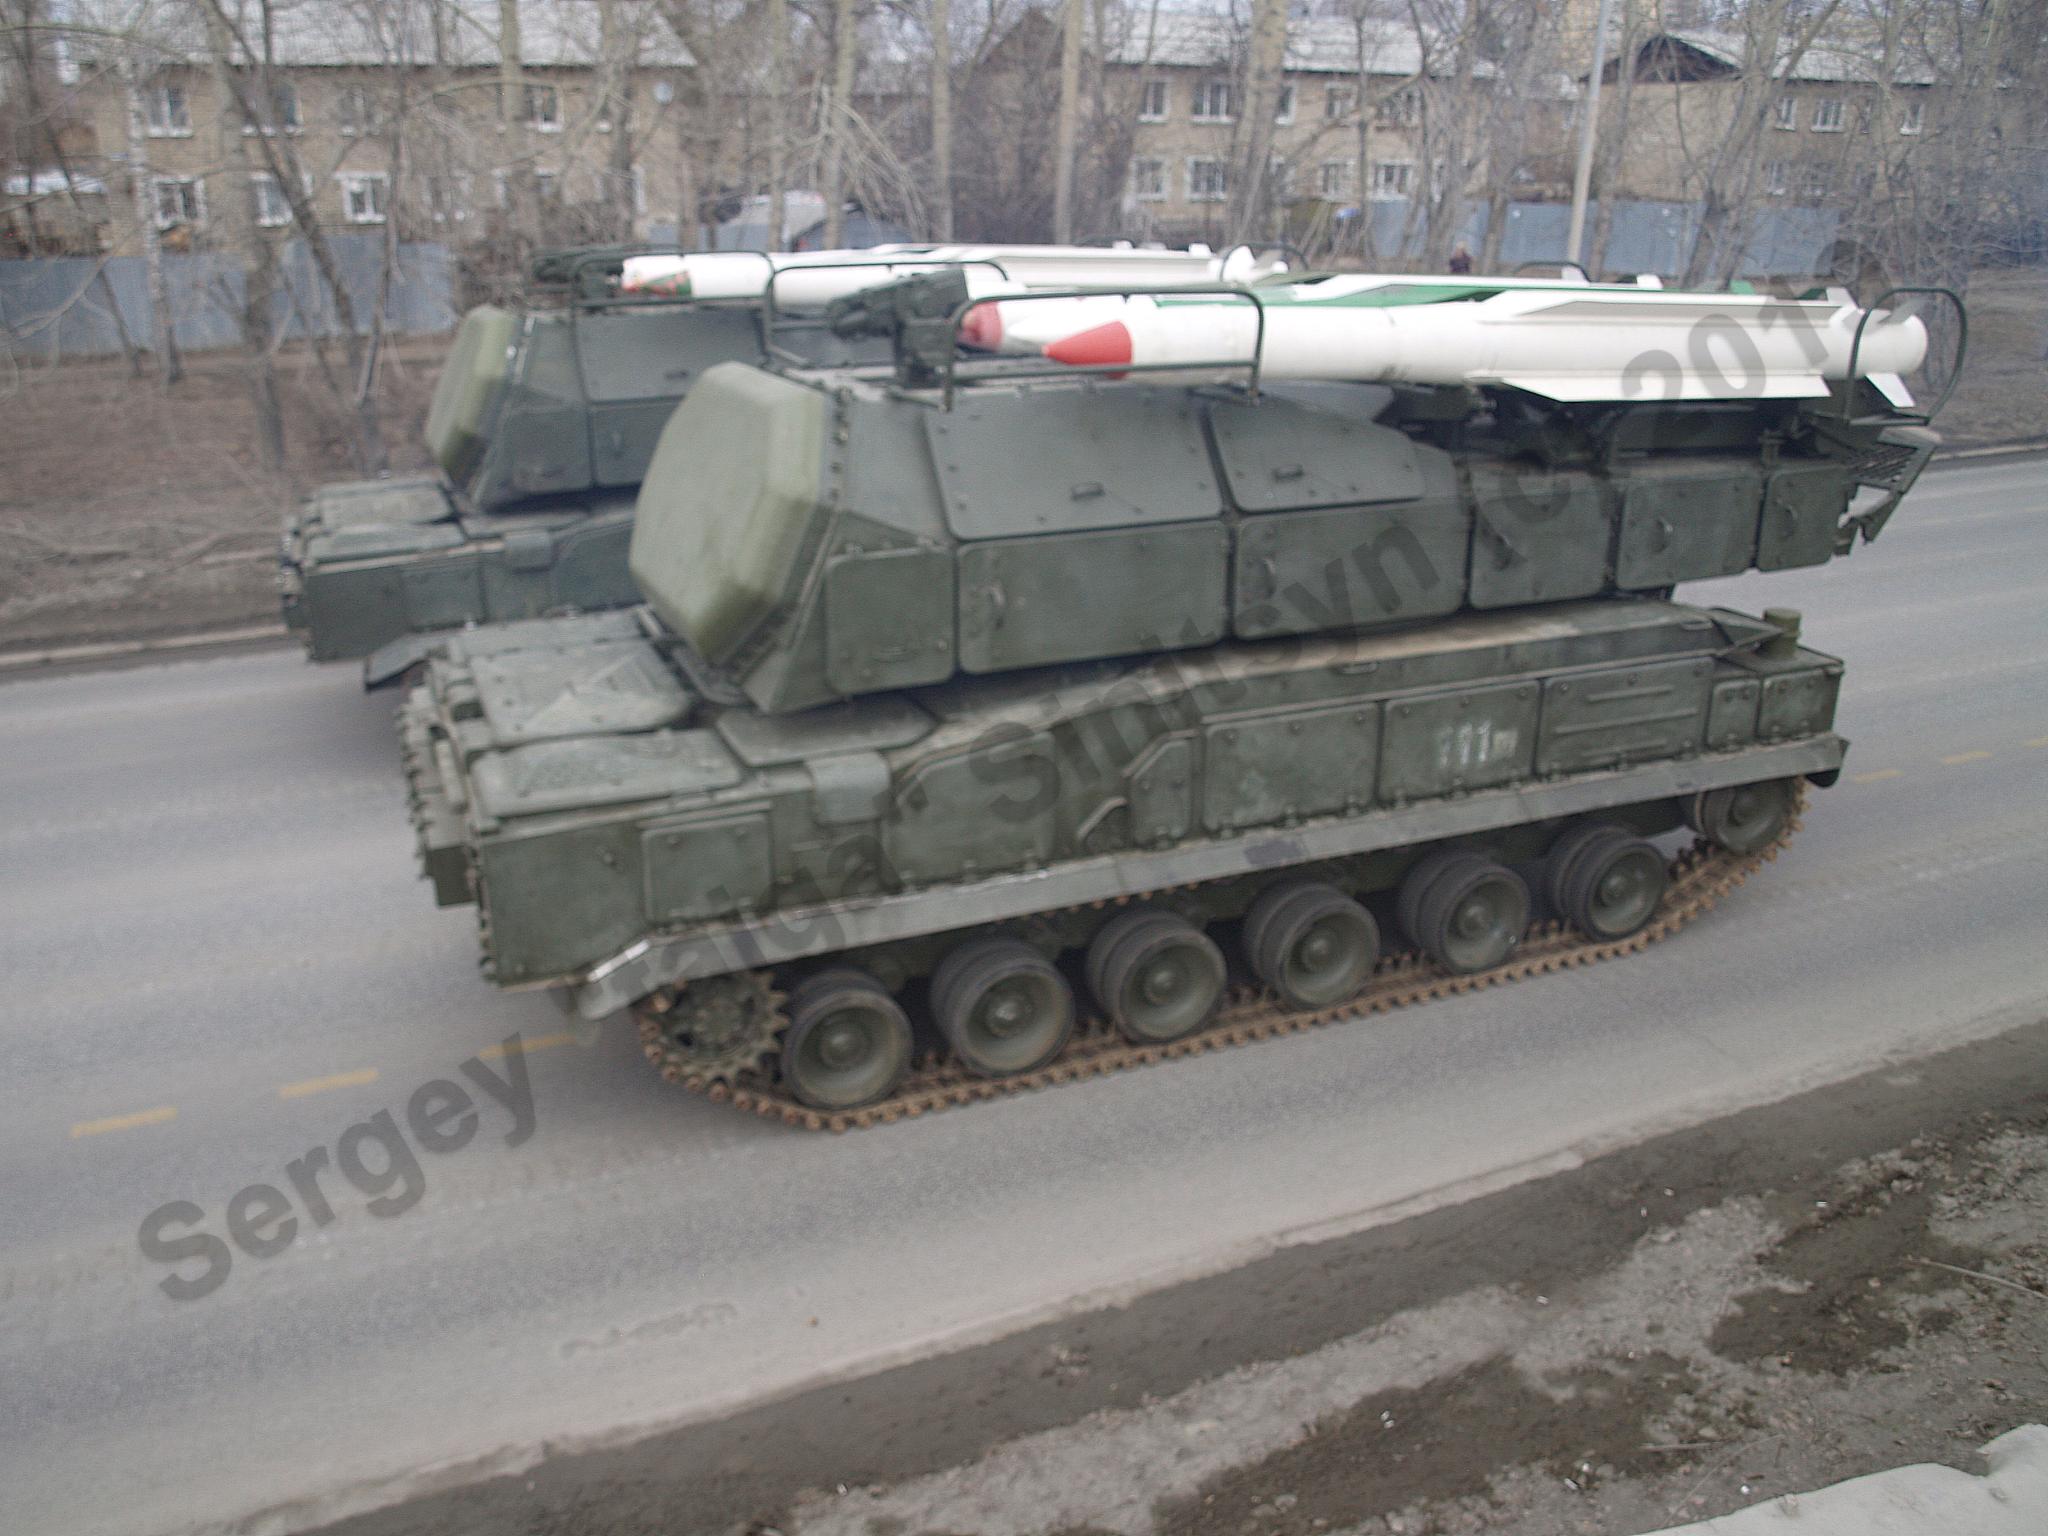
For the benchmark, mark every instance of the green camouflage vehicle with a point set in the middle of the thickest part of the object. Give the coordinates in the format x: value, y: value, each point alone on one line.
x: 980, y: 734
x: 541, y: 425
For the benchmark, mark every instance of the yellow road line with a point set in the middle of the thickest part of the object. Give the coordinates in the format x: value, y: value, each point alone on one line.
x: 2039, y: 741
x: 1876, y: 776
x: 155, y: 1116
x: 322, y: 1084
x: 1965, y: 757
x: 527, y: 1047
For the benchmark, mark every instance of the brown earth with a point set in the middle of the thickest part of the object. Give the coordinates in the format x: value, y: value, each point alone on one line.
x: 130, y: 511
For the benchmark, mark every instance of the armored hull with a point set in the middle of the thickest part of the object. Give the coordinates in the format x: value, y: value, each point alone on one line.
x: 967, y: 744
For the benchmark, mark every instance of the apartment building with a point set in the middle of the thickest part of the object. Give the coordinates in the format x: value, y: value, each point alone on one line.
x: 1347, y: 124
x: 147, y: 107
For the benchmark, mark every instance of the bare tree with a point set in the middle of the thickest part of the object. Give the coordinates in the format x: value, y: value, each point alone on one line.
x: 838, y: 125
x: 1252, y: 138
x: 170, y: 365
x: 1064, y: 133
x: 1776, y: 36
x: 258, y: 259
x: 942, y: 119
x: 251, y: 84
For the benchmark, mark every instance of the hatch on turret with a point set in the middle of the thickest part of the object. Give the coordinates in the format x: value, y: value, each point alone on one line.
x: 460, y: 411
x: 732, y: 492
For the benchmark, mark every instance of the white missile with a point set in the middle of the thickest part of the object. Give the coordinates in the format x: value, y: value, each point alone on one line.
x: 812, y: 279
x: 1606, y: 344
x: 1028, y: 326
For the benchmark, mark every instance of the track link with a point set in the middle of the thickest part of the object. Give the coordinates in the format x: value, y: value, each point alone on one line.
x: 1700, y: 875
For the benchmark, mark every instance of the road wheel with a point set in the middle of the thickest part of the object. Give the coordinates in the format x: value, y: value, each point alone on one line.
x: 1311, y: 944
x: 1744, y: 819
x: 1604, y: 880
x: 1472, y: 915
x: 848, y: 1040
x: 1157, y: 975
x: 1002, y: 1007
x: 1416, y: 883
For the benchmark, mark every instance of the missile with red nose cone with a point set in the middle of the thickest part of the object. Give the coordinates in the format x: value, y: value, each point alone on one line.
x: 1565, y: 342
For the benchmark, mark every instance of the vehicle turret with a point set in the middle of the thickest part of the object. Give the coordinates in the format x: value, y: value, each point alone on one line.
x: 828, y: 534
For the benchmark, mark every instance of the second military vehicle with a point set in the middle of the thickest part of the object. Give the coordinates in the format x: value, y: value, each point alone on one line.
x: 982, y: 733
x: 541, y: 426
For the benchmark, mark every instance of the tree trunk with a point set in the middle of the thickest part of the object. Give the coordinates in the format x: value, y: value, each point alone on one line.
x: 618, y: 48
x: 161, y: 321
x: 520, y: 201
x: 942, y: 120
x: 838, y: 123
x: 1252, y: 141
x: 1066, y: 124
x: 778, y: 117
x: 259, y: 260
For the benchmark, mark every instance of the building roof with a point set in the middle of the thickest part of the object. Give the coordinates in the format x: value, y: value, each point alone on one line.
x: 1185, y: 39
x: 369, y: 33
x: 1829, y: 61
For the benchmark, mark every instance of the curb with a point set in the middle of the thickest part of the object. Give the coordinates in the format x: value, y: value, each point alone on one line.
x: 117, y: 650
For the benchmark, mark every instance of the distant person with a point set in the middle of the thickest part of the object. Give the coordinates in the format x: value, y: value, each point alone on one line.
x: 1460, y: 264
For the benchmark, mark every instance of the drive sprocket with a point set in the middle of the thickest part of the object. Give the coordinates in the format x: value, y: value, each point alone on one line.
x: 717, y: 1029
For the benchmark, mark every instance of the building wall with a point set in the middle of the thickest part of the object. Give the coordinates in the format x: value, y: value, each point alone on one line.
x: 458, y: 155
x: 1180, y: 151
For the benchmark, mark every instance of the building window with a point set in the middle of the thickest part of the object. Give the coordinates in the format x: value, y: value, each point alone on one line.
x: 544, y: 108
x: 1827, y: 115
x: 272, y: 211
x: 1785, y: 114
x: 1333, y: 178
x: 1777, y: 178
x: 1208, y: 180
x: 448, y: 197
x: 1215, y: 101
x: 1283, y: 109
x: 1279, y: 180
x: 363, y: 197
x: 357, y: 108
x: 1152, y: 102
x: 284, y: 109
x: 1402, y: 109
x: 1339, y: 102
x: 1148, y: 179
x: 180, y: 202
x: 1913, y: 117
x: 1392, y: 178
x: 547, y: 186
x: 170, y: 114
x: 1816, y: 181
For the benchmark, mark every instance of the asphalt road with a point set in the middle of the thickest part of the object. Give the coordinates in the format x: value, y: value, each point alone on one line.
x: 217, y: 959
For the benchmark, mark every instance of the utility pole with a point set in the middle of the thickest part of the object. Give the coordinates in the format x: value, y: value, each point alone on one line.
x: 1582, y: 178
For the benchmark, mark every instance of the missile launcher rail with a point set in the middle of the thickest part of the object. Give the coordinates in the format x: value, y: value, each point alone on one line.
x: 1082, y: 723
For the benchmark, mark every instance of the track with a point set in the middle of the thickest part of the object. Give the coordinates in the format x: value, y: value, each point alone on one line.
x: 1700, y: 875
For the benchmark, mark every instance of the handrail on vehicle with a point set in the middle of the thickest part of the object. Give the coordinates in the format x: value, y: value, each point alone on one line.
x: 1955, y: 371
x: 949, y: 386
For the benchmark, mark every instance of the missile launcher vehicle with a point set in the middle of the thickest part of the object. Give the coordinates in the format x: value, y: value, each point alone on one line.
x: 540, y: 427
x: 983, y: 728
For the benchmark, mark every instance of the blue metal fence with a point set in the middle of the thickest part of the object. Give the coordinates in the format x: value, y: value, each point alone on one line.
x: 54, y: 307
x: 1646, y: 237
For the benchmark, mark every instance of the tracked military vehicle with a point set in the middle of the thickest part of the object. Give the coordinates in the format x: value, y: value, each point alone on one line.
x: 540, y: 427
x: 978, y: 733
